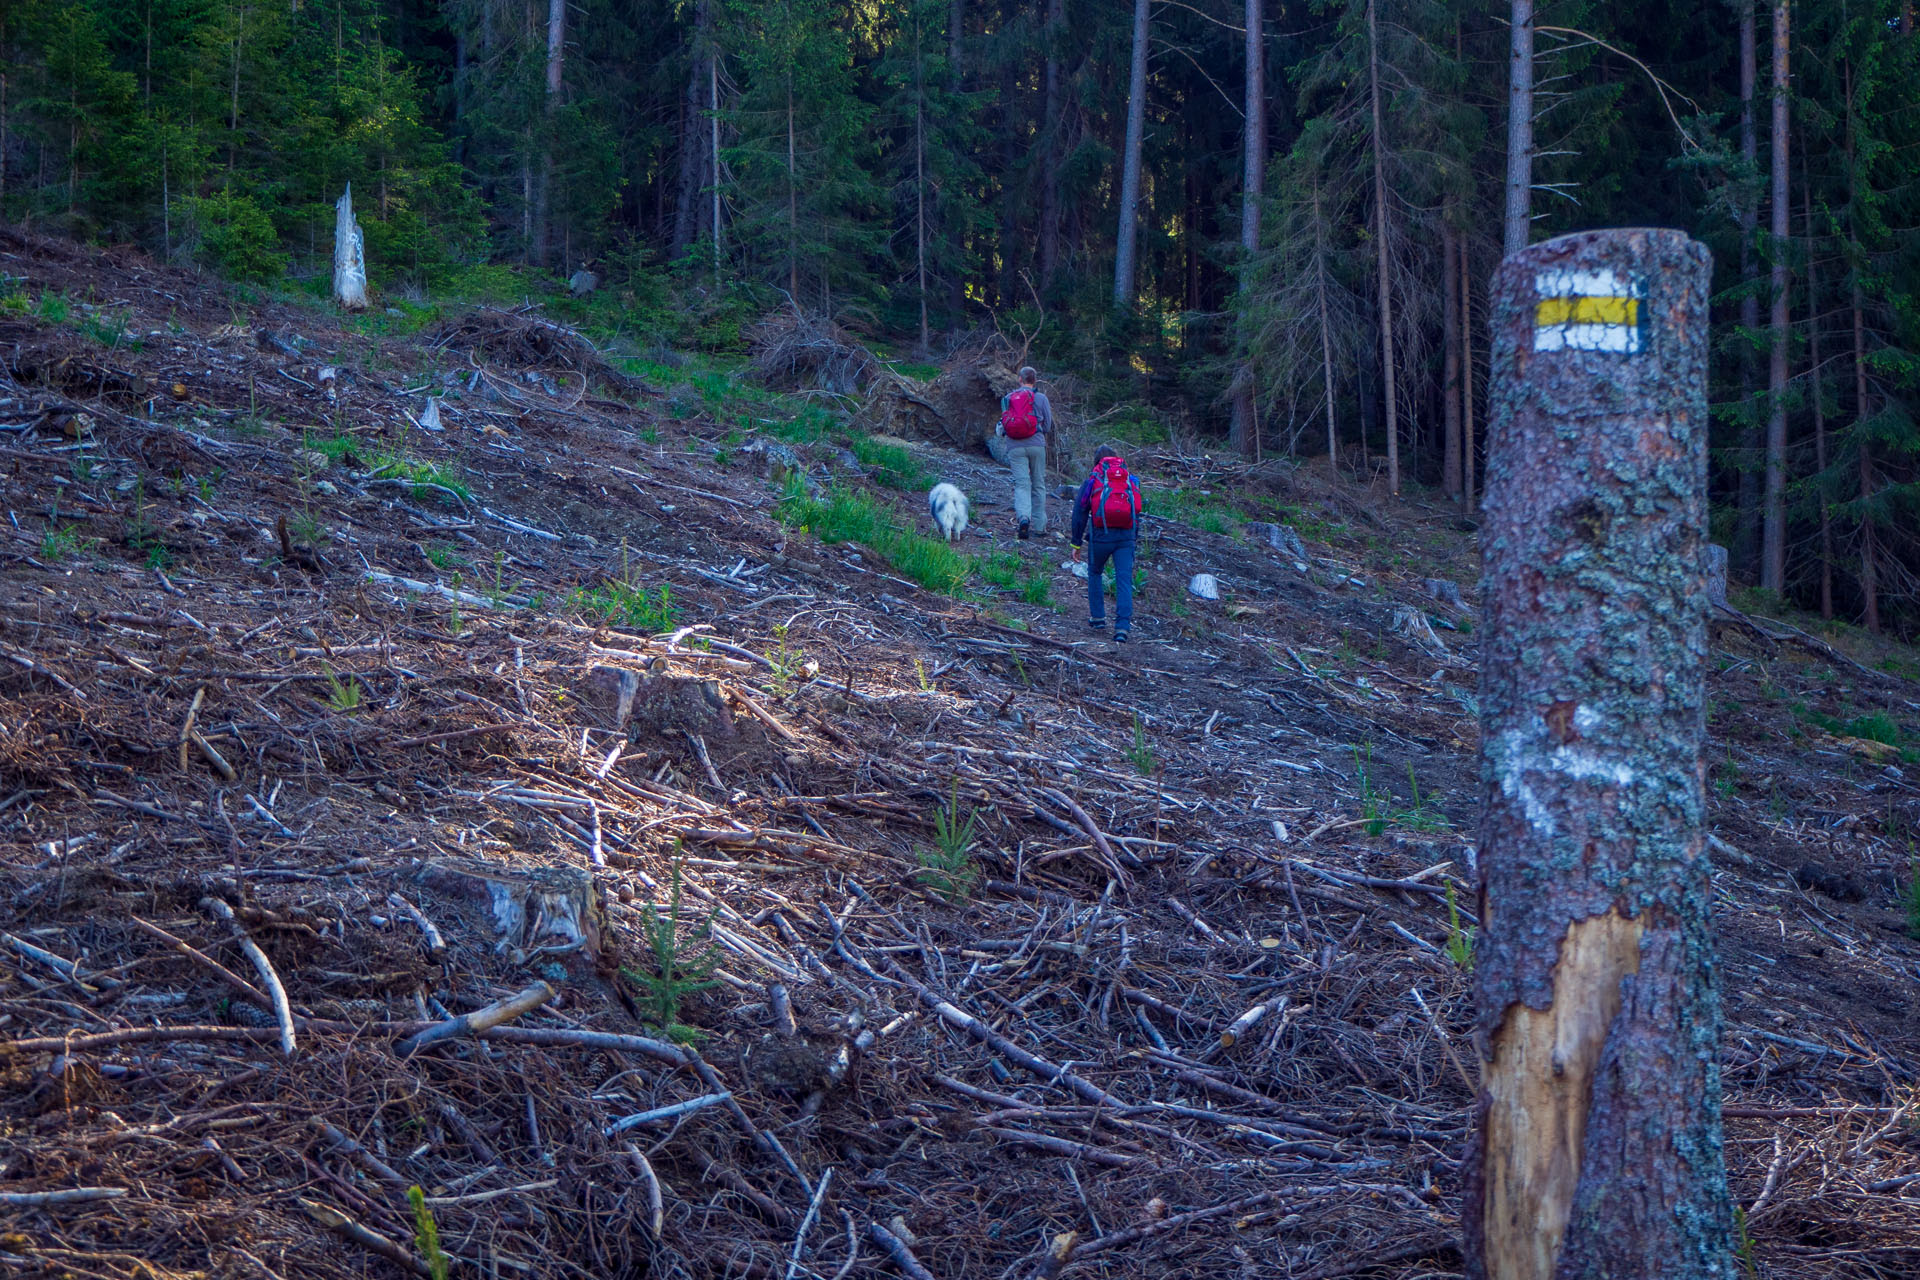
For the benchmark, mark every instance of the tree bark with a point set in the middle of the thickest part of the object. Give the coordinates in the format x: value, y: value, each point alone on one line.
x: 1746, y: 544
x: 920, y: 180
x: 1468, y: 447
x: 1773, y: 574
x: 1381, y: 254
x: 1450, y: 362
x: 713, y: 127
x: 1053, y: 123
x: 1598, y: 1151
x: 349, y: 255
x: 1123, y: 258
x: 1519, y: 126
x: 1869, y: 555
x: 1326, y: 335
x: 1246, y: 416
x: 693, y: 146
x: 793, y: 204
x: 1814, y: 388
x: 556, y: 67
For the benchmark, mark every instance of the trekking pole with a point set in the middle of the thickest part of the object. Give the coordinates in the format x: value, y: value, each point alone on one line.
x: 1598, y: 1144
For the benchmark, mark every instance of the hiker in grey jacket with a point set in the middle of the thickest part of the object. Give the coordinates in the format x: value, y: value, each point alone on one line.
x: 1026, y: 416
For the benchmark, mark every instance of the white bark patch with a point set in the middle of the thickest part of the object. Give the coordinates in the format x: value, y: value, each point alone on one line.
x: 1522, y: 754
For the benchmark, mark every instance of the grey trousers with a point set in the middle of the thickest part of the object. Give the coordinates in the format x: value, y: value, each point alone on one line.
x: 1027, y: 460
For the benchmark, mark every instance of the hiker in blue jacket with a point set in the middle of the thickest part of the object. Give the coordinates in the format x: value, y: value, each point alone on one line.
x: 1106, y: 518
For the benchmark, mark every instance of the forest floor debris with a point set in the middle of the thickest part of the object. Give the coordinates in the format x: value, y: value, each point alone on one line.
x: 887, y: 931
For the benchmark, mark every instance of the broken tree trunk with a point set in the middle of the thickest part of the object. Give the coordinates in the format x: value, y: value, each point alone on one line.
x: 1598, y: 1147
x: 349, y: 255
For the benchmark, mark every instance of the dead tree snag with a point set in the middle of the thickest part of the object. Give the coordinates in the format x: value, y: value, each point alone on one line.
x: 1598, y: 1150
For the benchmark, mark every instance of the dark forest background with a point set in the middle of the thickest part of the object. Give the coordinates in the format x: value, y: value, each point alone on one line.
x: 920, y: 169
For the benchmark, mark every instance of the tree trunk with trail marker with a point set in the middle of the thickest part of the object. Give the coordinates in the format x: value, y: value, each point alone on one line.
x: 1598, y: 1145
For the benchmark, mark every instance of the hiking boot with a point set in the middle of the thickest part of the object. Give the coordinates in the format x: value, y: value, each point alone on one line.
x: 1026, y: 531
x: 1120, y: 637
x: 1097, y: 624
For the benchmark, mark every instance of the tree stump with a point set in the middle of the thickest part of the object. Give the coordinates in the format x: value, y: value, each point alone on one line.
x: 1598, y: 1148
x: 349, y: 255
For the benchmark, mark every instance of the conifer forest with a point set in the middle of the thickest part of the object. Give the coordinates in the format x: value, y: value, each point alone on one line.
x: 1283, y: 239
x: 959, y: 640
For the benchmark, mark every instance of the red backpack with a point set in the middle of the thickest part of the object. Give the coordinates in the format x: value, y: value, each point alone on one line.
x: 1020, y: 421
x: 1115, y: 500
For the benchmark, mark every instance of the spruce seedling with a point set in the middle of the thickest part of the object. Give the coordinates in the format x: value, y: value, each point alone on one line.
x: 948, y: 868
x: 1459, y: 936
x: 426, y: 1234
x: 680, y: 969
x: 1141, y: 752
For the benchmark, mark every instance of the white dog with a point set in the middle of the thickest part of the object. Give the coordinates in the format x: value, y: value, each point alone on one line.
x: 949, y: 508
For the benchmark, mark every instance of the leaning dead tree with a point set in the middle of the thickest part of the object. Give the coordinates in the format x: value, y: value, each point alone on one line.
x: 1598, y: 1144
x: 349, y: 255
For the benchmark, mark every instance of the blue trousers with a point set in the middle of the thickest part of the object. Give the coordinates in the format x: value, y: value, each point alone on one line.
x: 1120, y: 552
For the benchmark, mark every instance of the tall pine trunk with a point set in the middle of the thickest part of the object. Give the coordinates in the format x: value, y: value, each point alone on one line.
x: 713, y: 130
x: 1326, y: 333
x: 1123, y: 258
x: 1519, y: 125
x: 920, y: 177
x: 556, y: 67
x: 1053, y: 128
x: 1381, y: 252
x: 1450, y: 363
x: 1467, y: 450
x: 693, y: 176
x: 1747, y: 530
x: 1773, y: 575
x: 1814, y: 392
x: 1246, y: 414
x: 1869, y: 554
x: 793, y: 204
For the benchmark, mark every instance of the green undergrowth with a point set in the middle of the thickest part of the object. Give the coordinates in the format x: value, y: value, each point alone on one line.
x: 844, y: 515
x: 1203, y: 509
x: 848, y: 515
x: 894, y: 466
x: 623, y: 604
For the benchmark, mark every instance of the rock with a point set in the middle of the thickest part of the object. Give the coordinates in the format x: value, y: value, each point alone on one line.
x: 430, y: 416
x: 545, y: 907
x: 1204, y: 585
x: 997, y: 445
x: 1716, y: 574
x: 1280, y: 538
x: 1444, y: 591
x: 582, y: 282
x: 1078, y: 568
x: 325, y: 486
x: 313, y: 459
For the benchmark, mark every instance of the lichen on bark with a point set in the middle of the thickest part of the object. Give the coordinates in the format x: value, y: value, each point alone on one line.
x: 1592, y: 706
